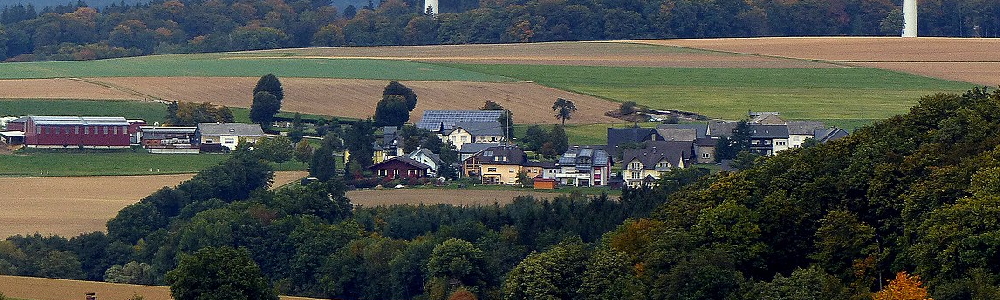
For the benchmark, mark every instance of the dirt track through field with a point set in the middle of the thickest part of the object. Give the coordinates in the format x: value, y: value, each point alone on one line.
x: 613, y: 54
x: 69, y: 206
x: 62, y: 289
x: 60, y: 88
x: 369, y: 198
x: 530, y: 103
x: 973, y: 60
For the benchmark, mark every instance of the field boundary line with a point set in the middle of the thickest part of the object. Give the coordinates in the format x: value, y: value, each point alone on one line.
x: 146, y: 97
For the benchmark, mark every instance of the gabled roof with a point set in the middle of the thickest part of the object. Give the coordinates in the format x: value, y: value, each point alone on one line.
x: 829, y: 134
x: 502, y: 155
x: 388, y: 141
x: 435, y: 120
x: 237, y: 129
x: 469, y: 148
x: 671, y: 151
x: 402, y: 159
x: 700, y: 129
x: 434, y: 157
x: 766, y: 118
x: 706, y: 142
x: 721, y: 128
x: 804, y: 127
x: 678, y: 134
x: 493, y: 128
x: 619, y: 136
x: 768, y: 131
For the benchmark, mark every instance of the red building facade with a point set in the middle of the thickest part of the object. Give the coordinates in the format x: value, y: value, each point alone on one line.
x: 83, y: 132
x: 400, y: 167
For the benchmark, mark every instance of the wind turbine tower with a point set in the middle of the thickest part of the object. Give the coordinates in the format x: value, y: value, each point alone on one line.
x: 909, y: 18
x: 433, y: 5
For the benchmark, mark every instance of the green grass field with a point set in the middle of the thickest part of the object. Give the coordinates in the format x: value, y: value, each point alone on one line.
x: 223, y: 65
x: 836, y: 93
x: 148, y: 111
x: 41, y: 163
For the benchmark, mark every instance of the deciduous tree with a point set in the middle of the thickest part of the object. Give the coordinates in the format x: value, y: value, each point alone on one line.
x: 564, y: 109
x: 219, y: 273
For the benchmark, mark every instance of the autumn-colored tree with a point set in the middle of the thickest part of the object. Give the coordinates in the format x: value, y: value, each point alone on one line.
x: 904, y: 287
x: 462, y: 294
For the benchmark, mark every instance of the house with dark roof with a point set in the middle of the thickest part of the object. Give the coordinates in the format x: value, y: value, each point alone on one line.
x: 228, y: 134
x: 829, y: 134
x: 799, y: 131
x: 440, y: 121
x: 584, y: 166
x: 621, y: 138
x: 640, y: 166
x: 469, y: 149
x: 474, y: 132
x: 428, y: 158
x: 496, y: 165
x: 387, y: 146
x: 765, y: 118
x: 682, y: 132
x: 719, y: 128
x: 400, y: 167
x: 768, y: 139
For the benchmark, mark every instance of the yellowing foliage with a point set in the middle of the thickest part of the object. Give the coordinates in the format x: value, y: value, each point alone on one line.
x: 904, y: 287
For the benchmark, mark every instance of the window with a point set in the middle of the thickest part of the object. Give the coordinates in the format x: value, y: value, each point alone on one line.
x: 635, y: 166
x: 781, y: 143
x: 510, y: 170
x: 76, y: 130
x: 382, y: 172
x: 491, y: 169
x: 706, y: 155
x: 105, y: 130
x: 86, y: 130
x: 635, y: 175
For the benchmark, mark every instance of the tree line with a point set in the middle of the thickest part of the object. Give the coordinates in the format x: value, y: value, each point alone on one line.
x: 78, y: 32
x: 913, y: 194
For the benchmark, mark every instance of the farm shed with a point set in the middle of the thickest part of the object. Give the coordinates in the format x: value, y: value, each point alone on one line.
x: 169, y: 139
x: 228, y: 134
x: 83, y: 132
x: 544, y: 183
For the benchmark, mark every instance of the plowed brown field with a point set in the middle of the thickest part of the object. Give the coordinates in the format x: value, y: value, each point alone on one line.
x: 60, y: 88
x: 69, y: 206
x: 530, y: 103
x: 962, y: 59
x: 615, y: 54
x: 62, y: 289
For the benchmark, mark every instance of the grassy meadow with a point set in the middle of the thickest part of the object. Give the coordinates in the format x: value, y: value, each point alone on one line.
x: 148, y: 111
x: 223, y: 65
x: 60, y: 163
x: 825, y: 93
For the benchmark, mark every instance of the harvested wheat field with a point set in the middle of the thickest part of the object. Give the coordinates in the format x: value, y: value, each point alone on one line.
x: 615, y: 54
x: 357, y: 98
x: 961, y: 59
x: 60, y: 88
x: 62, y: 289
x: 69, y: 206
x: 385, y: 197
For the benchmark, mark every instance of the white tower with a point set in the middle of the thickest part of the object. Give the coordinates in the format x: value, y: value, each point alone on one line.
x: 909, y: 18
x: 433, y: 4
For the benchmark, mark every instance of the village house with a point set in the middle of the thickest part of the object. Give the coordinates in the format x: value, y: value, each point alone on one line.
x: 642, y: 166
x: 474, y: 132
x: 470, y: 149
x: 432, y: 160
x: 800, y: 131
x: 228, y: 135
x: 387, y: 146
x: 768, y: 139
x: 399, y: 167
x: 496, y: 165
x: 584, y: 166
x: 443, y: 121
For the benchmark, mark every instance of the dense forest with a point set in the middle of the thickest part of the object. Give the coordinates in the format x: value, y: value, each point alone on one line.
x: 78, y: 32
x: 915, y: 193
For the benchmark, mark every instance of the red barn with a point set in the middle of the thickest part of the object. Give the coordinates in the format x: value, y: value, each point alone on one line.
x: 400, y: 167
x: 83, y: 132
